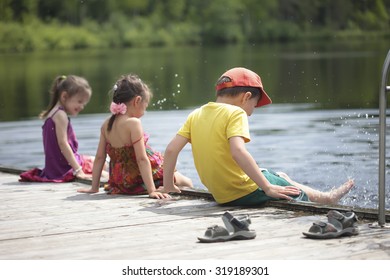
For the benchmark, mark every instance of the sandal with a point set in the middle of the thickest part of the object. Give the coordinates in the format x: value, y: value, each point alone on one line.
x: 321, y: 230
x: 338, y: 225
x: 236, y: 229
x: 347, y: 220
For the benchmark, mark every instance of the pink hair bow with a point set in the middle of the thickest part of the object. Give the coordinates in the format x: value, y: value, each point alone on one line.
x: 118, y: 108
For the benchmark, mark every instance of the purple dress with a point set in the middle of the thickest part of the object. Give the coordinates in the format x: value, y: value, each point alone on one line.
x: 57, y: 168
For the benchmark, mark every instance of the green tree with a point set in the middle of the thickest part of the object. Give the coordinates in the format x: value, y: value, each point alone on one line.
x: 6, y: 12
x: 371, y: 14
x: 219, y: 20
x: 18, y: 10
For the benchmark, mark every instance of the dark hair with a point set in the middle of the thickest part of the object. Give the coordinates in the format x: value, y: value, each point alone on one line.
x: 233, y: 91
x: 71, y: 84
x: 125, y: 89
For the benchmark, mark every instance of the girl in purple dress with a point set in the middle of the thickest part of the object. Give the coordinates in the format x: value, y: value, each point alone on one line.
x: 69, y: 95
x: 134, y: 167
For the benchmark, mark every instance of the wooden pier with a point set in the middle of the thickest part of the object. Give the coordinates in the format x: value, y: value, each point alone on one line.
x: 45, y: 221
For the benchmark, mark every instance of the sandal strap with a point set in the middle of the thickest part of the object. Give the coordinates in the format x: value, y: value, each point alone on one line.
x: 216, y: 231
x: 322, y: 227
x: 235, y: 224
x: 347, y: 220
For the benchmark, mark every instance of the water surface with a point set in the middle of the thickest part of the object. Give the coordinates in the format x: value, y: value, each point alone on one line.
x: 320, y: 148
x: 329, y: 75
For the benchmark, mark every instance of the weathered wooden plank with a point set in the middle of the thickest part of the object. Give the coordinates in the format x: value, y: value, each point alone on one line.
x: 178, y: 241
x: 370, y: 214
x: 53, y: 221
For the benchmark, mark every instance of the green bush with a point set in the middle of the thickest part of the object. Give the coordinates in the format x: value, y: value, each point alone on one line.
x: 275, y: 31
x: 145, y: 31
x: 16, y: 37
x: 184, y: 33
x: 13, y: 38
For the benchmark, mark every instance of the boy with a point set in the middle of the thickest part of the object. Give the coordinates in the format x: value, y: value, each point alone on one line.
x: 218, y: 132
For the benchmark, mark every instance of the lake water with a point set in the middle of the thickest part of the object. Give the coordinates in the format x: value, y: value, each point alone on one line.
x: 320, y: 148
x: 321, y: 130
x: 331, y: 76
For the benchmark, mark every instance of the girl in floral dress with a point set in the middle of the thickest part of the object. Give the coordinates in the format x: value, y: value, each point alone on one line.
x: 134, y: 167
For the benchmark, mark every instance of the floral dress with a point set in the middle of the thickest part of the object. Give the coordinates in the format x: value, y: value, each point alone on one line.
x: 125, y: 176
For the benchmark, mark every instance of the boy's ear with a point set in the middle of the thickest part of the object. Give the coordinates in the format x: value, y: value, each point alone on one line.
x: 246, y: 96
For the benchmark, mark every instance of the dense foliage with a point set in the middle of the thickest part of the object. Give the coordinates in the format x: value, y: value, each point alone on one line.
x: 27, y: 25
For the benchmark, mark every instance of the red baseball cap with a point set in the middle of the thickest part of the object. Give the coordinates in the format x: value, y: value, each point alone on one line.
x: 242, y: 77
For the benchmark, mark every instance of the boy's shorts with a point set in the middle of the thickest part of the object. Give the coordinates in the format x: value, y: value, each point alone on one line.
x: 258, y: 197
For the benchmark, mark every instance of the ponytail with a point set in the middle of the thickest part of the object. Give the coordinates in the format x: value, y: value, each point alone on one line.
x: 110, y: 122
x: 125, y: 89
x: 54, y: 94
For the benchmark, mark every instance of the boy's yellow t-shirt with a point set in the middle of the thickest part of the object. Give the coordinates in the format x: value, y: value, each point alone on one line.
x: 209, y: 128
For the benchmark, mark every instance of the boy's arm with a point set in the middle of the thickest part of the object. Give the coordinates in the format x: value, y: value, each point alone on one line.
x: 170, y: 158
x: 245, y: 160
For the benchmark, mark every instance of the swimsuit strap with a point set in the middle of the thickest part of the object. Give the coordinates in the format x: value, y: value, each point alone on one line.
x: 137, y: 141
x: 59, y: 108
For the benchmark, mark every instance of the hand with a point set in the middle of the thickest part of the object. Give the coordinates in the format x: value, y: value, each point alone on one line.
x: 276, y: 191
x: 172, y: 189
x: 87, y: 190
x: 159, y: 195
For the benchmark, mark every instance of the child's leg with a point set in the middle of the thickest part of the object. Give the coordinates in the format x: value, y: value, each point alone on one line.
x: 88, y: 162
x: 182, y: 181
x: 330, y: 197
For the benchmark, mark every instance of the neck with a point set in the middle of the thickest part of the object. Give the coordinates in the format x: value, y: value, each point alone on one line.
x: 232, y: 100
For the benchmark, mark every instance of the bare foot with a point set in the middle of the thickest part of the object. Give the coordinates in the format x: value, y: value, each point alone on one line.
x: 336, y: 194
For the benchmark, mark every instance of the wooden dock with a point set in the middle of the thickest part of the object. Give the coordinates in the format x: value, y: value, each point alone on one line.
x: 45, y: 221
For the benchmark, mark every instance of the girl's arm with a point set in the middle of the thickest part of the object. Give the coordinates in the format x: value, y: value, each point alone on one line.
x: 170, y: 158
x: 61, y: 121
x: 98, y: 165
x: 143, y: 161
x: 245, y: 160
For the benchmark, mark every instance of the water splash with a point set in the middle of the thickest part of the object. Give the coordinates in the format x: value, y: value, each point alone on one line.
x: 170, y: 101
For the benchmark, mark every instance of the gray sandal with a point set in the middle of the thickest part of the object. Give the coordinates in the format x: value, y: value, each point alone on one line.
x: 338, y: 225
x: 236, y: 229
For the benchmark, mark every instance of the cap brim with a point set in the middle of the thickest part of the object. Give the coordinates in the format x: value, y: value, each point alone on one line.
x: 264, y: 100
